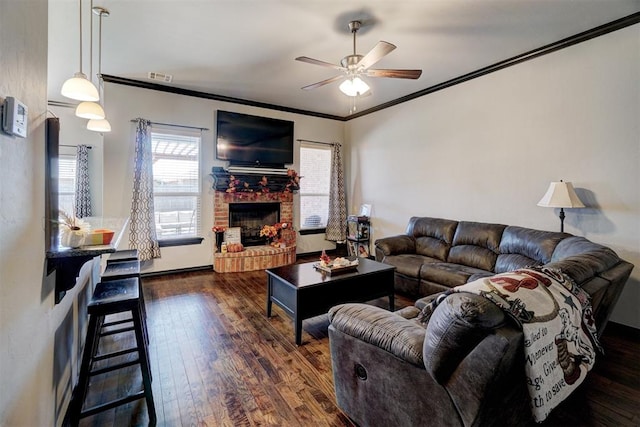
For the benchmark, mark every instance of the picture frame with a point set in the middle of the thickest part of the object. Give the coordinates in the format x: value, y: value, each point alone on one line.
x: 365, y: 210
x: 362, y: 250
x: 232, y: 235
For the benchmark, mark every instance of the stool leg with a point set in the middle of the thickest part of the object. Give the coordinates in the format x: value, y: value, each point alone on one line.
x: 90, y: 348
x: 144, y: 363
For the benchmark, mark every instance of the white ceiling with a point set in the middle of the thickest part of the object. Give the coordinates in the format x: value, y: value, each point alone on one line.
x: 246, y: 48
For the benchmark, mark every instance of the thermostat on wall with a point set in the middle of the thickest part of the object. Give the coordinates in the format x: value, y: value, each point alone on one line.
x: 14, y: 117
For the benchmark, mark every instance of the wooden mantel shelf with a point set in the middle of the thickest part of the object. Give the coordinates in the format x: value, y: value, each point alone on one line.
x: 253, y: 183
x: 67, y: 262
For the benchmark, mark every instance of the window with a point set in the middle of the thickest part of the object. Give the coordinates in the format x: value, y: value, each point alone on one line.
x: 176, y: 183
x: 67, y: 183
x: 315, y: 169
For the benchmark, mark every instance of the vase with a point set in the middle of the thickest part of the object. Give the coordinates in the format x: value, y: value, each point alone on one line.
x: 219, y: 239
x: 72, y: 238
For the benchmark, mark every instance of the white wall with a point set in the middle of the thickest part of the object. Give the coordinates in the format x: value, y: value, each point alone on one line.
x: 486, y: 150
x: 123, y: 103
x: 38, y: 339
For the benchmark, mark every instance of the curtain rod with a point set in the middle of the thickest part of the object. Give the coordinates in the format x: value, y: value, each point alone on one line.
x: 172, y: 125
x: 316, y: 142
x: 65, y: 145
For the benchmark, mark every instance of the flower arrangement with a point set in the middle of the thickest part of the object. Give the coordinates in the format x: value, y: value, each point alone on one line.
x: 294, y: 181
x: 219, y: 229
x: 273, y: 232
x: 248, y: 184
x: 72, y: 223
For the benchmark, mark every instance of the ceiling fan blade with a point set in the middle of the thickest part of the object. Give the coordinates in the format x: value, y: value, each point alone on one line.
x: 324, y: 82
x: 396, y: 74
x: 376, y: 54
x: 318, y: 62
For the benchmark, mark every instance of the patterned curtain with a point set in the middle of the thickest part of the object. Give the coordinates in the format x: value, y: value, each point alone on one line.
x: 83, y: 194
x: 142, y: 227
x: 336, y: 223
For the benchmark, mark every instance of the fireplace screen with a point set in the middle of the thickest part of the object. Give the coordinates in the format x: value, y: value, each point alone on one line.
x: 251, y: 217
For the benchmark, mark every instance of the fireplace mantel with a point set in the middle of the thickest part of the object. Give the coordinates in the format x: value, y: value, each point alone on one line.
x: 254, y: 183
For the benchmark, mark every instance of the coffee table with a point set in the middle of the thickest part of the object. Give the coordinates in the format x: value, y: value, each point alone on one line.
x: 304, y: 292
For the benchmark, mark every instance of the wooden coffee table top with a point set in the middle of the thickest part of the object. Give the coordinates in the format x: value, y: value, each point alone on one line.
x: 305, y: 274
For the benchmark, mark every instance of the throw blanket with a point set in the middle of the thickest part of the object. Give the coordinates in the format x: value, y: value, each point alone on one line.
x: 557, y: 322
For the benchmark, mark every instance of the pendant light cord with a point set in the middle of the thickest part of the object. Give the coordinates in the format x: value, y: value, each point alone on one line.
x: 80, y: 13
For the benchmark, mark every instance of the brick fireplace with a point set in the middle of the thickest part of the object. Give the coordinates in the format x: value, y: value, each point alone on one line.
x: 254, y: 257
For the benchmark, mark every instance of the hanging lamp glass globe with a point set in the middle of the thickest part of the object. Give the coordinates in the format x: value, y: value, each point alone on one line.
x: 354, y: 86
x: 101, y: 125
x: 80, y: 88
x: 90, y: 110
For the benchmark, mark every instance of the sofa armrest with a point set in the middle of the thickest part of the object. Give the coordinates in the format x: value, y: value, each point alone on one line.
x: 458, y: 324
x: 394, y: 245
x: 393, y: 333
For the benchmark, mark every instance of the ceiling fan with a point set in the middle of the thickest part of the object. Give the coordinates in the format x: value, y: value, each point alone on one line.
x: 354, y: 66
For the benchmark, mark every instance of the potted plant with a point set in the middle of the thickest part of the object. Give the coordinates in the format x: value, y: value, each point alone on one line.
x: 72, y: 230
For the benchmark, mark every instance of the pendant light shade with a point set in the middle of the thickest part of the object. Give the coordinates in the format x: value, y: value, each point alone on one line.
x: 101, y: 125
x: 90, y: 110
x: 80, y: 88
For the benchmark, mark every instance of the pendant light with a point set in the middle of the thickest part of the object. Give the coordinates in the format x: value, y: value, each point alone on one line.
x: 100, y: 125
x: 88, y: 109
x: 79, y: 87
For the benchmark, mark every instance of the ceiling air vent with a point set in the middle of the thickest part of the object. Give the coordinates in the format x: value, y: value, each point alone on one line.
x: 166, y: 78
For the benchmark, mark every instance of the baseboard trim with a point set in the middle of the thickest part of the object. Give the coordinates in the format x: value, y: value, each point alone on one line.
x: 177, y: 271
x: 614, y: 328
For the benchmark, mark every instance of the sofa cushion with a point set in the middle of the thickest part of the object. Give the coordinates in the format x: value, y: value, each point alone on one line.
x: 476, y: 244
x: 449, y: 274
x: 408, y: 264
x: 524, y: 247
x: 433, y: 236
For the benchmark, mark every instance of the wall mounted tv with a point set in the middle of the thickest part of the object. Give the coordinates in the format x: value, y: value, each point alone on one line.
x: 246, y: 140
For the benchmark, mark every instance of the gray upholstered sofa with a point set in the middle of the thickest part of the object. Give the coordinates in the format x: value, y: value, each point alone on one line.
x: 466, y: 365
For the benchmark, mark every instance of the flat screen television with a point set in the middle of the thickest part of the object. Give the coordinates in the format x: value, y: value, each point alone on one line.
x: 246, y: 140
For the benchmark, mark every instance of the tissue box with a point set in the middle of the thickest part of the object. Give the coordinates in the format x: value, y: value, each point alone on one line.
x: 99, y: 237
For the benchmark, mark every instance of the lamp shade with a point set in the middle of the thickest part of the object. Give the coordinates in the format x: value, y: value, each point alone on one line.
x: 102, y: 125
x: 561, y: 195
x: 354, y: 86
x: 90, y: 110
x: 80, y: 88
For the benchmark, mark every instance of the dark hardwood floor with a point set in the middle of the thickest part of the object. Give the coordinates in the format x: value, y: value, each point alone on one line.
x: 218, y: 361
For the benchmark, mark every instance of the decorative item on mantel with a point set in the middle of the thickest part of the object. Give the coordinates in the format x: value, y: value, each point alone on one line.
x: 255, y: 183
x: 72, y: 230
x: 219, y: 232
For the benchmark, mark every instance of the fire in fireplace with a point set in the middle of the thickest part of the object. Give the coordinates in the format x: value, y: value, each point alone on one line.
x: 250, y: 217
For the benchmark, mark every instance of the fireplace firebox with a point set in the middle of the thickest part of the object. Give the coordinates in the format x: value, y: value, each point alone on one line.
x: 251, y: 217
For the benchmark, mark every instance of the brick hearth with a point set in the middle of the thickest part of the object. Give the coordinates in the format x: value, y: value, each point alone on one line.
x: 253, y: 257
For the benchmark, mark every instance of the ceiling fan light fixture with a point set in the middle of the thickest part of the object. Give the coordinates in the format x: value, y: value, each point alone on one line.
x: 101, y: 125
x: 90, y: 110
x: 354, y: 86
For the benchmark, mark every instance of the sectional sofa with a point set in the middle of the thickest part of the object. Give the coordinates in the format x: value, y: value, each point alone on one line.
x: 466, y: 364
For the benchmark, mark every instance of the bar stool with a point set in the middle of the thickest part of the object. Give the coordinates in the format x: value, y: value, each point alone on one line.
x: 123, y: 255
x: 122, y: 269
x: 113, y: 297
